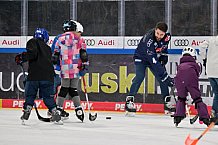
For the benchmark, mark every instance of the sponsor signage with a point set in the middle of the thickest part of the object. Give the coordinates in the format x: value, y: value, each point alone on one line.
x: 110, y: 42
x: 97, y: 106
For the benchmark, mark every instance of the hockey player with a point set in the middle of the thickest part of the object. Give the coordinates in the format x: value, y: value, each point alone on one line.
x: 153, y: 44
x: 208, y: 51
x: 186, y: 80
x: 71, y: 50
x: 40, y: 74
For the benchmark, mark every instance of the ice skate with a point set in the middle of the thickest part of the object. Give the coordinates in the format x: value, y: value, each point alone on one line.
x: 79, y: 113
x: 64, y: 114
x: 130, y: 106
x: 26, y: 114
x: 169, y: 105
x: 214, y: 117
x: 206, y: 121
x: 56, y: 117
x: 177, y: 120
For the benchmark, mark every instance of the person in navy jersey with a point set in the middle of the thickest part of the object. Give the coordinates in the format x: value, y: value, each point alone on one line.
x: 151, y: 52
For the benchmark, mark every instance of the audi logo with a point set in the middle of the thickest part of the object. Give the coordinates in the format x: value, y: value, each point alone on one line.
x: 181, y: 42
x: 90, y: 42
x: 133, y: 42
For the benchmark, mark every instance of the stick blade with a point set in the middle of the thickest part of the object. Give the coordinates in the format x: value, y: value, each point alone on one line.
x: 92, y: 117
x: 190, y: 141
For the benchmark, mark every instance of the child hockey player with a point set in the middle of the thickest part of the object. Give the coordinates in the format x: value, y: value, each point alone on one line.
x: 70, y: 49
x: 40, y: 74
x: 186, y: 80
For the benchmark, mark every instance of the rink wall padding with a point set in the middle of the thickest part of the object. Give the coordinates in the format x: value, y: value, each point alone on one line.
x: 95, y: 106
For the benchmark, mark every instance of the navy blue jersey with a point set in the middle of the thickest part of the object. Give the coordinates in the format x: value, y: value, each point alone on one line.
x: 146, y: 51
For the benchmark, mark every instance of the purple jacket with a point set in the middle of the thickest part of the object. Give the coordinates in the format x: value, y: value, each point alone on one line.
x: 187, y: 72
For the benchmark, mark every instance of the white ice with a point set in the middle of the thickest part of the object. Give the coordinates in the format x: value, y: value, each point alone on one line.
x: 143, y: 129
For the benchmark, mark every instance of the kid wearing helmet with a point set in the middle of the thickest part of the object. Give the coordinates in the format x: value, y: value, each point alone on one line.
x: 186, y: 80
x: 68, y: 48
x: 40, y: 74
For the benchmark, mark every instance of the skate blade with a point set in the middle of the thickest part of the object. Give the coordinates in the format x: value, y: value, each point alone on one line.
x: 64, y: 118
x: 129, y: 114
x: 23, y: 122
x: 60, y: 122
x: 169, y: 113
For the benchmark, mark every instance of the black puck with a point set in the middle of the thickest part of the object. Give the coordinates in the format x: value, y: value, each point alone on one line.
x: 108, y: 117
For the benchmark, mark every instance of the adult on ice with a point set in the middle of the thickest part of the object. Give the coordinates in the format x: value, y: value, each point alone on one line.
x: 208, y: 51
x: 151, y: 52
x: 40, y: 74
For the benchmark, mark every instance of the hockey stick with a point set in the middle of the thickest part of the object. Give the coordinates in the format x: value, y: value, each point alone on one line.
x: 91, y: 117
x: 37, y: 112
x: 193, y: 120
x: 40, y: 117
x: 190, y: 141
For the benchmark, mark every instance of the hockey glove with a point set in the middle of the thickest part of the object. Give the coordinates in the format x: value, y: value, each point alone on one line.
x: 83, y: 55
x: 204, y: 62
x: 84, y: 68
x: 163, y: 59
x: 55, y: 57
x: 19, y: 59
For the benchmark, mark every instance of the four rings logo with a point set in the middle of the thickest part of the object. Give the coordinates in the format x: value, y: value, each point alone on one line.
x: 90, y: 42
x: 181, y: 42
x: 133, y: 42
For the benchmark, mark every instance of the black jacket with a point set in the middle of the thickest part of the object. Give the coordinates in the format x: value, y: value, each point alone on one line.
x: 39, y: 57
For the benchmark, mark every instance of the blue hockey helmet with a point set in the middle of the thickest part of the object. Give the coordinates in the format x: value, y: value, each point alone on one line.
x: 41, y: 33
x: 69, y: 25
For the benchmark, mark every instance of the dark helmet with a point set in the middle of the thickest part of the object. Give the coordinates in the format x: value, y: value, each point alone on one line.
x: 69, y: 25
x: 42, y: 34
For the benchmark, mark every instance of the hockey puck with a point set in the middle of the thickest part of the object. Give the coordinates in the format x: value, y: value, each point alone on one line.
x: 108, y: 117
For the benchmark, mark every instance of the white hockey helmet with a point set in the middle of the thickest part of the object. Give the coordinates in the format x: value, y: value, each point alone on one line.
x: 79, y: 27
x: 189, y: 50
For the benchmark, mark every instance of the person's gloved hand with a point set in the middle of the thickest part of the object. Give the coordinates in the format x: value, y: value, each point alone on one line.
x: 163, y: 59
x: 19, y: 59
x: 83, y: 68
x: 204, y: 62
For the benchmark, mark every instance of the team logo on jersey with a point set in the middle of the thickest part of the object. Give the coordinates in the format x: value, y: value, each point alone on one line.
x: 149, y: 42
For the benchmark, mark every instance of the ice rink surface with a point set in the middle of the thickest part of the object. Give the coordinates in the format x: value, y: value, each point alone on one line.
x: 143, y: 129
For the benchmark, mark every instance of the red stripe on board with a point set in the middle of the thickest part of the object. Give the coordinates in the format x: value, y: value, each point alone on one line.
x: 97, y: 106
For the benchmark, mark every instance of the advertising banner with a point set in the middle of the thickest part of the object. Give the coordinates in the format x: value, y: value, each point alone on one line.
x: 109, y: 79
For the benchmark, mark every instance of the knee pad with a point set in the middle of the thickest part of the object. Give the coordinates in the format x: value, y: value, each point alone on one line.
x: 73, y: 92
x: 63, y: 92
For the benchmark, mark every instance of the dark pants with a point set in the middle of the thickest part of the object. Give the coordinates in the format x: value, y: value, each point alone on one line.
x: 214, y: 85
x: 46, y: 90
x: 140, y: 69
x: 57, y: 82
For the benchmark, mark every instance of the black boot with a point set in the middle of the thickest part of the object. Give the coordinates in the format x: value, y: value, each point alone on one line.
x: 206, y: 121
x: 79, y: 113
x: 178, y: 119
x: 56, y: 117
x: 26, y: 113
x: 64, y: 114
x: 130, y: 106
